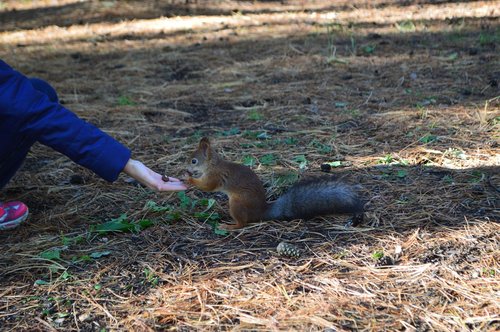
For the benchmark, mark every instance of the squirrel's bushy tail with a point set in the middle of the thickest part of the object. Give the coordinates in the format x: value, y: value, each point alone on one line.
x: 313, y: 198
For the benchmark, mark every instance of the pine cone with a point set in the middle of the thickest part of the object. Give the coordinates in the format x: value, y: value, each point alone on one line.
x: 288, y: 249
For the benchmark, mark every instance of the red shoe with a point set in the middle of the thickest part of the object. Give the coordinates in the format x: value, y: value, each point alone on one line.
x: 12, y: 214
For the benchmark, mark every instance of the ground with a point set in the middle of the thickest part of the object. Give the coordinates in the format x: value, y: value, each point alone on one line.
x: 400, y: 98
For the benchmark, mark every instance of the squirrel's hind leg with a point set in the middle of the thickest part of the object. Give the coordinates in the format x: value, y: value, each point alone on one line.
x: 230, y: 227
x: 239, y: 213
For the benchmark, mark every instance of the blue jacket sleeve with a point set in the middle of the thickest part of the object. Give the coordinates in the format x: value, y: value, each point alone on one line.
x: 33, y: 115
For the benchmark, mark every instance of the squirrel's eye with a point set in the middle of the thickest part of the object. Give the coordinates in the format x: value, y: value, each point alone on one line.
x: 194, y: 161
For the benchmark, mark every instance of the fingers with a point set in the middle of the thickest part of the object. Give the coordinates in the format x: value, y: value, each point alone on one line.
x: 169, y: 184
x: 169, y: 179
x: 172, y: 186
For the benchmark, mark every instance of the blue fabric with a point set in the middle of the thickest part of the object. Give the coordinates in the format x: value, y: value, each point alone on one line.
x: 46, y: 88
x: 27, y: 115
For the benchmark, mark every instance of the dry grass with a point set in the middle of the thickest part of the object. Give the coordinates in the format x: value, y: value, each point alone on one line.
x: 405, y: 95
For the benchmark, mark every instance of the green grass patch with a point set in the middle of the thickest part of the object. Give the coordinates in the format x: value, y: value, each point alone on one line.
x: 301, y: 160
x: 268, y: 159
x: 406, y: 26
x: 378, y: 255
x: 121, y: 224
x: 249, y: 160
x: 286, y: 179
x: 489, y: 38
x: 126, y: 101
x: 254, y: 115
x: 427, y: 139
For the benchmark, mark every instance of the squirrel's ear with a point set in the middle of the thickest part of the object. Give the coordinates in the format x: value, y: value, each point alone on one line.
x: 204, y: 146
x: 204, y: 141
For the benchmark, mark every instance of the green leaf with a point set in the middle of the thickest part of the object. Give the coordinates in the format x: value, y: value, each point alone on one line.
x: 250, y: 134
x: 402, y: 173
x: 65, y: 240
x: 152, y: 206
x: 301, y: 160
x: 368, y: 49
x: 55, y: 267
x: 143, y: 224
x: 487, y: 37
x: 40, y: 282
x: 452, y: 57
x: 99, y: 254
x: 353, y: 112
x: 125, y: 101
x: 264, y: 135
x: 209, y: 203
x: 150, y: 276
x: 210, y: 216
x: 335, y: 59
x: 97, y: 287
x: 426, y: 102
x: 174, y: 216
x: 84, y: 258
x: 249, y: 161
x: 448, y: 179
x: 340, y: 104
x: 334, y: 163
x: 322, y: 148
x: 428, y: 138
x: 287, y: 179
x: 476, y: 177
x: 186, y: 201
x: 255, y: 116
x: 121, y: 224
x: 291, y: 141
x: 387, y: 159
x: 51, y: 254
x: 268, y: 159
x: 406, y: 26
x: 65, y: 275
x: 230, y: 132
x: 325, y: 149
x: 219, y: 231
x: 377, y: 255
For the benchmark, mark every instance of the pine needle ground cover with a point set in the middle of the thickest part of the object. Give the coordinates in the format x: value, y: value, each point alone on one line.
x: 399, y: 98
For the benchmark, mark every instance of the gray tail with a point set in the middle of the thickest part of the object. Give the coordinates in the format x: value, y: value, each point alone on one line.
x: 315, y: 197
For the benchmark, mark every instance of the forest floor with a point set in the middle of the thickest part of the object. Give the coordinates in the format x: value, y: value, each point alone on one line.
x: 399, y: 97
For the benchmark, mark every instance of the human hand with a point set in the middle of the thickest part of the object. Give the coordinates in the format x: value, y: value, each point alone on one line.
x: 151, y: 179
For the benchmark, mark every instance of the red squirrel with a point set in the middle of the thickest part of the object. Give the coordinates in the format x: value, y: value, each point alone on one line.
x: 208, y: 171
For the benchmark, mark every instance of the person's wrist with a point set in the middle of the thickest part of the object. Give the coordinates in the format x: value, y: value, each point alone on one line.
x: 129, y: 167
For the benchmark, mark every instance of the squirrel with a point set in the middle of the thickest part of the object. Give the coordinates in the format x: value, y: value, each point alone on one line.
x: 208, y: 171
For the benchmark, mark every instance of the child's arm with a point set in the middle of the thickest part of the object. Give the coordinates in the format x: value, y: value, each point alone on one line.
x: 30, y: 113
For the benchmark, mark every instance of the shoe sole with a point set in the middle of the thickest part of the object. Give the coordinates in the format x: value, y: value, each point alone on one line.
x: 13, y: 223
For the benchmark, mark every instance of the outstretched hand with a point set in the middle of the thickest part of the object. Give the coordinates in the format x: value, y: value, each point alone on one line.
x: 151, y: 179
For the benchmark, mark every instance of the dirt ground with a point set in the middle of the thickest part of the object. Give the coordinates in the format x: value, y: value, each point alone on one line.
x: 399, y: 97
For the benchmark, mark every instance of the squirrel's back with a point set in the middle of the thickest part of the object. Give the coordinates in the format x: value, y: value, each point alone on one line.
x: 239, y: 179
x: 315, y: 197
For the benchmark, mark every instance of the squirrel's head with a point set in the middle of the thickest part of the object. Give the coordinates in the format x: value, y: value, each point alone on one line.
x: 200, y: 159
